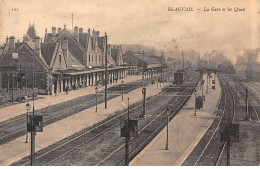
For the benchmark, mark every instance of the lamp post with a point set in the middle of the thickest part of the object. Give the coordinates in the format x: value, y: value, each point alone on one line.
x: 28, y: 108
x: 248, y: 115
x: 207, y: 83
x: 106, y: 74
x: 96, y: 89
x: 202, y: 90
x: 122, y: 90
x: 157, y: 80
x: 168, y: 112
x: 195, y: 93
x: 144, y: 103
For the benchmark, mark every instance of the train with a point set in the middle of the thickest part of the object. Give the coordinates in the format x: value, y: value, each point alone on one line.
x: 229, y: 69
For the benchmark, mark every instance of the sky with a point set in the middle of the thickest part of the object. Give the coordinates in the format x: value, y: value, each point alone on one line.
x: 146, y: 22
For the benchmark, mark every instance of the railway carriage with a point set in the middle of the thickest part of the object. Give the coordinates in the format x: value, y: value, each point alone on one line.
x: 179, y: 77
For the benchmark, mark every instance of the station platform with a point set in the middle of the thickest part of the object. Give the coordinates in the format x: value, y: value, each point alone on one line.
x: 17, y: 149
x: 11, y: 111
x: 185, y: 131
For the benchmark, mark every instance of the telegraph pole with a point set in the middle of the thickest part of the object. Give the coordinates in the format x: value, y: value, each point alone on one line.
x: 127, y: 138
x: 72, y: 20
x: 228, y: 139
x: 32, y: 128
x: 207, y: 84
x: 13, y: 86
x: 144, y: 93
x: 106, y: 73
x: 183, y: 66
x: 247, y: 113
x: 143, y: 69
x: 161, y: 68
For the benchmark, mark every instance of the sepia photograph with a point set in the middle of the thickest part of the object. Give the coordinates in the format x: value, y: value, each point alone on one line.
x: 130, y: 83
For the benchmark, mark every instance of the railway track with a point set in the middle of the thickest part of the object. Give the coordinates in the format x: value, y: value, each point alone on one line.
x: 207, y: 155
x: 253, y: 103
x: 115, y: 155
x: 58, y: 151
x: 209, y: 150
x: 253, y: 100
x: 16, y: 127
x: 151, y: 131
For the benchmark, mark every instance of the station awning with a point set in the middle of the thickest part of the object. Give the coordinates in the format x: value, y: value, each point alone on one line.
x: 73, y: 73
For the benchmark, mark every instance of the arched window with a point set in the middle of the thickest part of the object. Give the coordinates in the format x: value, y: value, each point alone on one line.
x: 92, y: 59
x: 89, y: 58
x: 96, y: 59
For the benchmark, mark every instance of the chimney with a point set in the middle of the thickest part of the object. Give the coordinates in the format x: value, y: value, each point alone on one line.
x: 89, y: 31
x: 76, y: 33
x: 37, y: 46
x: 53, y: 31
x: 11, y: 43
x: 93, y: 33
x: 64, y: 47
x: 59, y: 30
x: 64, y: 26
x: 80, y: 30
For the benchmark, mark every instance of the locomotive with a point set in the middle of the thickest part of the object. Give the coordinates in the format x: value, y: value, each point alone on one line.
x: 226, y: 69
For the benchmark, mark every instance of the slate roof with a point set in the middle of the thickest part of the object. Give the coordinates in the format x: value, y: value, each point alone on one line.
x: 71, y: 61
x: 101, y: 43
x: 47, y: 37
x: 114, y: 54
x: 76, y: 48
x: 83, y: 38
x: 17, y: 46
x: 7, y: 53
x: 31, y: 44
x: 31, y: 33
x: 47, y: 50
x: 27, y: 47
x: 149, y: 59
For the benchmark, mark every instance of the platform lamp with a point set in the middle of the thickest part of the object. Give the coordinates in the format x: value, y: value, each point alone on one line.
x: 168, y: 113
x: 96, y: 89
x: 122, y: 90
x: 195, y: 93
x: 28, y: 108
x: 207, y: 83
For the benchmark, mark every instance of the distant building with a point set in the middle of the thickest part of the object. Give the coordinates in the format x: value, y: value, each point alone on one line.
x: 252, y: 70
x: 137, y: 59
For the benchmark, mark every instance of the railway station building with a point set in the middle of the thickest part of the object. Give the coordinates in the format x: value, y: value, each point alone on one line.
x: 63, y: 59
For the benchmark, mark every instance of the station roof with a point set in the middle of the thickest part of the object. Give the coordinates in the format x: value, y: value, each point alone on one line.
x: 80, y: 72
